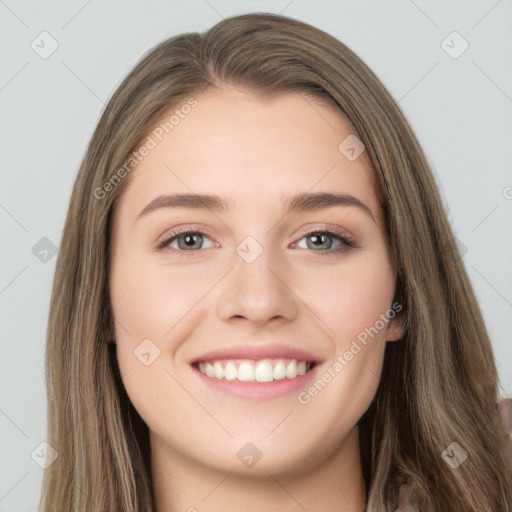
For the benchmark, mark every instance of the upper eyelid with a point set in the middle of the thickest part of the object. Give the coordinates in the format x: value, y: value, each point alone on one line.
x: 203, y: 231
x: 337, y: 230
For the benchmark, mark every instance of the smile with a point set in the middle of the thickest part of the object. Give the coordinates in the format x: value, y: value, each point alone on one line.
x: 265, y: 370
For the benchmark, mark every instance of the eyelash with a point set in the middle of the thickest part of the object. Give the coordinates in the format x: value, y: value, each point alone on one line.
x: 346, y: 241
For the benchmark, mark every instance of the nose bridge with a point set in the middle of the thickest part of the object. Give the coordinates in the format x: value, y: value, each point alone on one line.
x: 255, y: 288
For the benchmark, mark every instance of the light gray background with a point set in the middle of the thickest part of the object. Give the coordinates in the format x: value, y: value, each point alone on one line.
x: 460, y: 109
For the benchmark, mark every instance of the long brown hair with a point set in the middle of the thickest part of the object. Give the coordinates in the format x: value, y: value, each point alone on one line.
x: 439, y: 383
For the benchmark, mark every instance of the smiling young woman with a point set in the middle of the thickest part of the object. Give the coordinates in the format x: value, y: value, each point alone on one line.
x: 256, y: 225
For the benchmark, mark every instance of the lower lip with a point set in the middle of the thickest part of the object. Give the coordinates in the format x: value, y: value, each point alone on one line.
x: 259, y: 390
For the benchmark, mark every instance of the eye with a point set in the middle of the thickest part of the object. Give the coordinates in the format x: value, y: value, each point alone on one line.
x: 191, y: 241
x: 326, y: 240
x: 187, y: 241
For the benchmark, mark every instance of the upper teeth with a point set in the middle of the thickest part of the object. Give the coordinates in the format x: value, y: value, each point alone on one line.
x: 255, y: 371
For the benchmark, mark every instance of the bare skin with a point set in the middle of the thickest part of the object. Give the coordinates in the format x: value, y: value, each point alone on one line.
x: 297, y: 292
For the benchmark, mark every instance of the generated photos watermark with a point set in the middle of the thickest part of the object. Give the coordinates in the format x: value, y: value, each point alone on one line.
x: 342, y: 360
x: 150, y: 143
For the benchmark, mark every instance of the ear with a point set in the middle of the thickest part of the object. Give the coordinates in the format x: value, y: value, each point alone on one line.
x: 110, y: 332
x: 395, y: 330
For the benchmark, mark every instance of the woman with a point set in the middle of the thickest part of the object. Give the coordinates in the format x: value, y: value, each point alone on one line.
x: 207, y: 352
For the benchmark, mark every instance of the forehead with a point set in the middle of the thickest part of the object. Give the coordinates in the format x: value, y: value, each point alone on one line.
x: 251, y: 150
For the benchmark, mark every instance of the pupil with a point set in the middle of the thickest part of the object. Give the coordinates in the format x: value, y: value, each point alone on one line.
x: 317, y: 239
x: 189, y: 240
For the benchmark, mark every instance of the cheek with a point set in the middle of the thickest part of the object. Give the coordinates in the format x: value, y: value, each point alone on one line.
x: 152, y: 307
x: 349, y: 298
x: 352, y: 302
x: 150, y: 300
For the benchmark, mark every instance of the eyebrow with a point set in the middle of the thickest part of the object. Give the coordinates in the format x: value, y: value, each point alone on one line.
x: 307, y: 201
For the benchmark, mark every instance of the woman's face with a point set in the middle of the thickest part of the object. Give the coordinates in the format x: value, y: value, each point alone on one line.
x: 260, y: 286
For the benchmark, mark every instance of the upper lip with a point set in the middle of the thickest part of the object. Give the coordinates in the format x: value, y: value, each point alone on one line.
x: 258, y: 352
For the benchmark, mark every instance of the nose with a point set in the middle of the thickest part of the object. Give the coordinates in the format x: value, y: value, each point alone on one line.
x: 258, y: 291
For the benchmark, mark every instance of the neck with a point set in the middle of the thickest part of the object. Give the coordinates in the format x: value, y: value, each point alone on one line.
x: 184, y: 484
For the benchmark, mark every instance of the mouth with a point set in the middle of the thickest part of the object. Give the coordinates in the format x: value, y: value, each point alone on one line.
x: 260, y: 371
x: 256, y: 380
x: 249, y: 370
